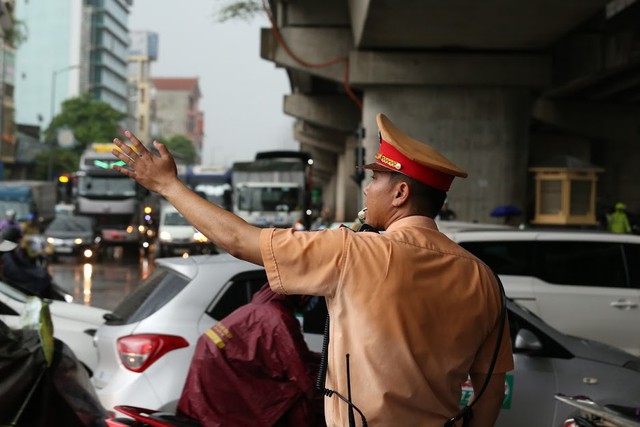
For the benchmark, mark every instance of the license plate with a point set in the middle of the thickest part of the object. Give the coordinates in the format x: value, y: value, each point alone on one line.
x: 64, y: 249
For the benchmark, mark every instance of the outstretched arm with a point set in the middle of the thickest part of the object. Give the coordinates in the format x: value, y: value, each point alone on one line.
x: 159, y: 174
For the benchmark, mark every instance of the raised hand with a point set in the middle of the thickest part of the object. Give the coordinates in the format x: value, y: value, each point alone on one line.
x: 156, y: 173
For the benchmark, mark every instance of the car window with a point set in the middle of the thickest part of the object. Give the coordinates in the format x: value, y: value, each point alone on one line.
x: 240, y: 289
x: 175, y: 218
x: 153, y: 293
x: 632, y: 258
x: 581, y: 263
x: 237, y: 292
x: 514, y: 258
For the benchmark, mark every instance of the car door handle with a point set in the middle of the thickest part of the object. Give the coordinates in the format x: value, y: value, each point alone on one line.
x: 624, y: 304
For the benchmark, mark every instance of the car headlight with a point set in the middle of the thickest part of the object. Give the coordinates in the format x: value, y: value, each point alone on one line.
x: 165, y: 236
x: 54, y: 241
x: 199, y: 237
x: 78, y: 241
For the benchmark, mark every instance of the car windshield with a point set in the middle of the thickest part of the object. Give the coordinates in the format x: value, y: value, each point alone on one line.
x: 284, y: 199
x: 175, y: 218
x: 106, y: 186
x: 70, y: 223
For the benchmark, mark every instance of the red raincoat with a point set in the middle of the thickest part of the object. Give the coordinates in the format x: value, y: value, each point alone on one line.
x: 253, y: 368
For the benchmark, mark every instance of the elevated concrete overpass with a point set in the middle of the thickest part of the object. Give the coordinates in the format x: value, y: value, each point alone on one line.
x: 497, y: 86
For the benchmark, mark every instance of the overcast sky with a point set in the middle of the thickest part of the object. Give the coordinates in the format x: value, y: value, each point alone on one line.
x: 242, y: 94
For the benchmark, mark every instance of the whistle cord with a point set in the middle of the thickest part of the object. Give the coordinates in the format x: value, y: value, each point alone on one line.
x: 352, y: 417
x: 322, y: 375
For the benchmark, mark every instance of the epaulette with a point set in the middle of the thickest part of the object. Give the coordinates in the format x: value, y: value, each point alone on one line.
x: 361, y: 227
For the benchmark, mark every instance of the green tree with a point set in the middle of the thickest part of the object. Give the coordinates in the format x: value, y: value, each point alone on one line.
x: 91, y: 120
x: 64, y: 161
x: 238, y: 9
x: 180, y: 147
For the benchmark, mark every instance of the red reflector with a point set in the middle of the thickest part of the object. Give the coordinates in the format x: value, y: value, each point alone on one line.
x: 138, y: 352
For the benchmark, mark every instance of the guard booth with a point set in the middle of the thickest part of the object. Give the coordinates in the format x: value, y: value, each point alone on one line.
x: 565, y: 192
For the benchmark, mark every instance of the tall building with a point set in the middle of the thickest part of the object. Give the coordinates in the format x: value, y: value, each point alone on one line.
x: 177, y: 109
x: 73, y: 46
x: 142, y: 51
x: 8, y: 36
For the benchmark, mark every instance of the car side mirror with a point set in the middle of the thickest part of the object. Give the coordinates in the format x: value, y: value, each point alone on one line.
x: 527, y: 341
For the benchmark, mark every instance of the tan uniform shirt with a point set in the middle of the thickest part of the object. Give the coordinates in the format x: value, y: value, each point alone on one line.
x: 415, y: 312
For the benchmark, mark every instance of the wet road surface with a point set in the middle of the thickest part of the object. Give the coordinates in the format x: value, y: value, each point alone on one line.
x: 103, y: 283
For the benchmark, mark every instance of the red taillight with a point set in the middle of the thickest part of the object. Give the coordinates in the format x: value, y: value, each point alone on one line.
x: 138, y: 352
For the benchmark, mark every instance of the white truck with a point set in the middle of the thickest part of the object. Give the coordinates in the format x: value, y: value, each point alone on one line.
x: 274, y: 189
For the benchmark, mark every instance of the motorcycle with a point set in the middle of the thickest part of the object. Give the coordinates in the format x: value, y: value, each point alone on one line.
x: 42, y: 382
x: 594, y: 414
x: 141, y: 417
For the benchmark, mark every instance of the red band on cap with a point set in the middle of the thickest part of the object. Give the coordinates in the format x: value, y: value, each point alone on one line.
x: 389, y: 157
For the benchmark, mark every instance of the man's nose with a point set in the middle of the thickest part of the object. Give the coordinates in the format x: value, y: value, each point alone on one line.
x: 366, y: 189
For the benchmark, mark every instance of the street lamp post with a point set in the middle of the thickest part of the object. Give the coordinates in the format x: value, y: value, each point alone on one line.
x: 54, y: 74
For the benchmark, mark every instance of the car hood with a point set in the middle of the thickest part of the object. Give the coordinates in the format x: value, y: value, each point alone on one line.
x: 92, y: 316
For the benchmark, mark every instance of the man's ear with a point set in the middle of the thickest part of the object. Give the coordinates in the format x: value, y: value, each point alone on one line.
x: 401, y: 194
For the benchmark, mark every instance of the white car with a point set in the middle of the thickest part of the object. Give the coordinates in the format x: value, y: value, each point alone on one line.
x: 583, y: 283
x: 177, y: 236
x: 176, y: 304
x: 73, y: 324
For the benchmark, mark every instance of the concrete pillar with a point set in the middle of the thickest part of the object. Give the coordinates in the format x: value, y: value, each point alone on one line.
x: 348, y: 193
x: 482, y: 129
x: 326, y: 146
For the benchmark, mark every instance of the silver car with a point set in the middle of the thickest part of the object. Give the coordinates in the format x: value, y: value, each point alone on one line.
x: 185, y: 297
x: 549, y: 362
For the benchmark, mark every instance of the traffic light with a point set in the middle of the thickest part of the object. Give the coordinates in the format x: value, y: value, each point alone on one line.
x: 358, y: 176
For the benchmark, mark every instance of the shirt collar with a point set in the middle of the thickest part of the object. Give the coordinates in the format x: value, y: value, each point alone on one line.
x: 413, y: 221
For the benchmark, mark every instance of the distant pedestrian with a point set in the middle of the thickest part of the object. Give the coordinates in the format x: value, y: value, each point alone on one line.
x: 446, y: 214
x: 618, y: 220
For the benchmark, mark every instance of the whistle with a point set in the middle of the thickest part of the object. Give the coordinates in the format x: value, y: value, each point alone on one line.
x: 362, y: 215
